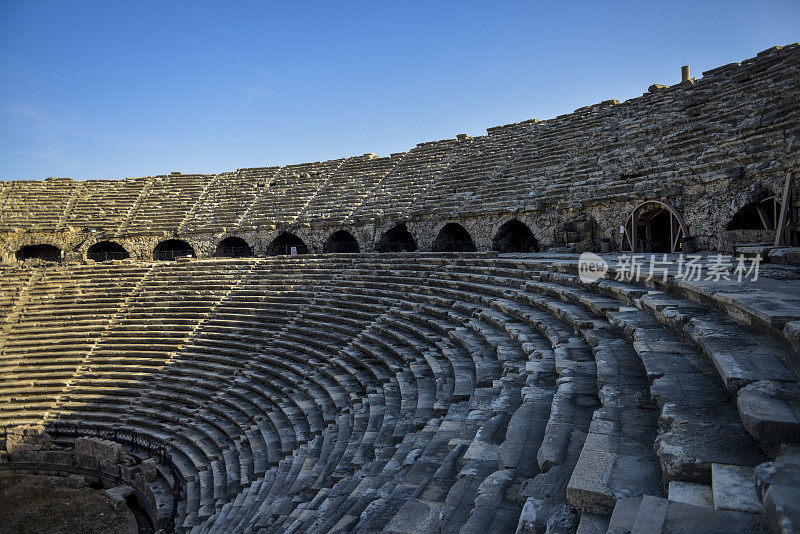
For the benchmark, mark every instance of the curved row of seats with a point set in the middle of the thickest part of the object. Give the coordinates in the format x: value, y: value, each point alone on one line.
x: 399, y: 393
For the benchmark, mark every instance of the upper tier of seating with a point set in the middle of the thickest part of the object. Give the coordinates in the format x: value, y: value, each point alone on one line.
x: 32, y: 204
x: 348, y: 187
x: 666, y: 140
x: 287, y: 193
x: 104, y: 204
x: 738, y: 120
x: 165, y: 202
x: 408, y: 392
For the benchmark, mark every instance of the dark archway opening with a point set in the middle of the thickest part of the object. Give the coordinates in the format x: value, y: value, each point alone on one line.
x: 341, y: 242
x: 233, y: 247
x: 761, y: 215
x: 287, y: 243
x: 515, y: 236
x: 453, y: 238
x: 655, y: 227
x: 172, y: 249
x: 107, y: 250
x: 397, y: 239
x: 41, y: 252
x: 658, y: 232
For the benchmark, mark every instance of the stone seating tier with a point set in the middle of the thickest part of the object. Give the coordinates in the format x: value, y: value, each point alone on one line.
x: 401, y: 393
x: 674, y: 142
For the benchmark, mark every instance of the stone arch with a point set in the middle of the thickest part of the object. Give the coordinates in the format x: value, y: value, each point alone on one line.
x: 396, y: 239
x: 341, y: 241
x: 577, y: 232
x: 654, y: 226
x: 107, y: 250
x: 41, y: 251
x: 515, y: 236
x: 233, y: 247
x: 17, y: 241
x: 287, y: 243
x: 453, y: 238
x: 758, y: 215
x: 171, y: 249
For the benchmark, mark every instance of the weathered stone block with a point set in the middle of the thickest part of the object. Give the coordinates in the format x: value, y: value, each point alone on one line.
x: 100, y: 449
x: 734, y: 488
x: 149, y: 471
x: 27, y: 437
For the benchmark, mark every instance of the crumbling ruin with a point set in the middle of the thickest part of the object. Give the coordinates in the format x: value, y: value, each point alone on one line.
x: 407, y: 344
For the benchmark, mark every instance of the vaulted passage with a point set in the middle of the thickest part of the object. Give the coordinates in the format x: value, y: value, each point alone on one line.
x: 41, y: 252
x: 654, y: 227
x: 233, y: 247
x: 287, y: 243
x: 107, y: 250
x: 658, y: 226
x: 341, y: 242
x: 398, y: 239
x: 761, y: 215
x: 173, y: 248
x: 453, y: 238
x: 515, y: 236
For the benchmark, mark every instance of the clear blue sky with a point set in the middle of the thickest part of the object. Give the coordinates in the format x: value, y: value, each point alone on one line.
x: 109, y: 89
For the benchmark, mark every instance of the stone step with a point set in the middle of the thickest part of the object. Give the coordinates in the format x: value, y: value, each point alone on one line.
x: 778, y: 487
x: 649, y: 514
x: 770, y: 411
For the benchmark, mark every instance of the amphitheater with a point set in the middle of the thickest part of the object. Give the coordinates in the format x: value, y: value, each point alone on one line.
x: 406, y: 344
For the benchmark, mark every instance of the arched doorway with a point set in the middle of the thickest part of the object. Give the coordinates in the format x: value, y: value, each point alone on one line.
x: 107, y: 250
x: 515, y: 236
x: 172, y: 249
x: 654, y: 226
x: 761, y: 215
x: 341, y: 242
x: 287, y: 243
x: 233, y: 247
x: 42, y: 252
x: 453, y: 238
x: 397, y: 239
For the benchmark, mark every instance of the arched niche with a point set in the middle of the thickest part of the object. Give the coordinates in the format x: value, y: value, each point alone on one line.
x: 760, y: 215
x: 41, y: 251
x: 341, y: 241
x: 233, y: 247
x: 515, y: 236
x: 171, y: 249
x: 453, y: 238
x: 287, y: 244
x: 107, y: 250
x: 654, y: 226
x: 396, y: 239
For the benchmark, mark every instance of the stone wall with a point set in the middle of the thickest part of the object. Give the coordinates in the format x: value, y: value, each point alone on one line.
x: 29, y: 449
x: 705, y: 146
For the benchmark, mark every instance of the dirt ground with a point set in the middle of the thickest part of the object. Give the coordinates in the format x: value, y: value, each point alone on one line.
x: 44, y: 504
